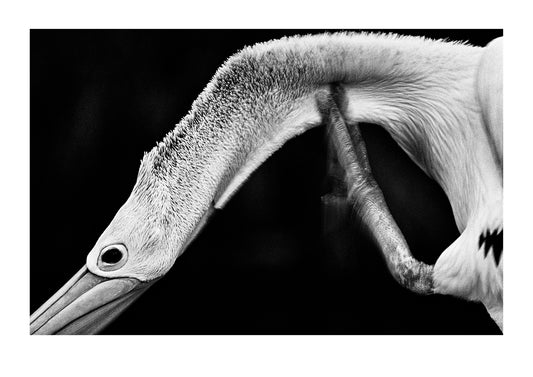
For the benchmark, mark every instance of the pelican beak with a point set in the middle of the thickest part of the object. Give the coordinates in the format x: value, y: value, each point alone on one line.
x: 86, y: 304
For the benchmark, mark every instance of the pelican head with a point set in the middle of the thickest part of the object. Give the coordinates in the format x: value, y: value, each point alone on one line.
x: 153, y: 227
x: 139, y: 246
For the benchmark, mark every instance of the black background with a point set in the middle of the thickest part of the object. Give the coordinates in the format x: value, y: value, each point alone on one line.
x: 275, y: 260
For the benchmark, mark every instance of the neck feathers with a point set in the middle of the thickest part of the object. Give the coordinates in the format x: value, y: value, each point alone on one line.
x: 265, y: 95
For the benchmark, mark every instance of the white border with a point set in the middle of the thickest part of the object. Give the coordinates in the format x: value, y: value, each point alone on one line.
x: 265, y: 355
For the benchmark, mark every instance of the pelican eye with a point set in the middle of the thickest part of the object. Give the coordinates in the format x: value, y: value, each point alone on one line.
x: 112, y: 257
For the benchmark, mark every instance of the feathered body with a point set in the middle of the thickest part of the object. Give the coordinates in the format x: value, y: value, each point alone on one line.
x: 423, y: 92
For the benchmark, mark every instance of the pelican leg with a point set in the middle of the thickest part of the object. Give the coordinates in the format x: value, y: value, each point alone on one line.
x: 336, y: 211
x: 368, y: 203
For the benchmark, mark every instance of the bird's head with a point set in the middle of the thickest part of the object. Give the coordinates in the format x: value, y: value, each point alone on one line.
x: 135, y: 244
x: 152, y: 228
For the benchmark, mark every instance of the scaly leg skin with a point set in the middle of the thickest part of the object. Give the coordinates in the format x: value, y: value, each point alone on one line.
x: 368, y: 203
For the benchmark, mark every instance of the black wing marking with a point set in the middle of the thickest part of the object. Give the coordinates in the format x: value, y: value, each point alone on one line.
x: 492, y: 240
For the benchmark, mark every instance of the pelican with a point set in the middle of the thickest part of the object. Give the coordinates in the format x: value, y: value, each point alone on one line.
x: 440, y: 101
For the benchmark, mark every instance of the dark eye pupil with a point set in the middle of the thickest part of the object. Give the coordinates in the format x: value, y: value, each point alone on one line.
x: 112, y: 256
